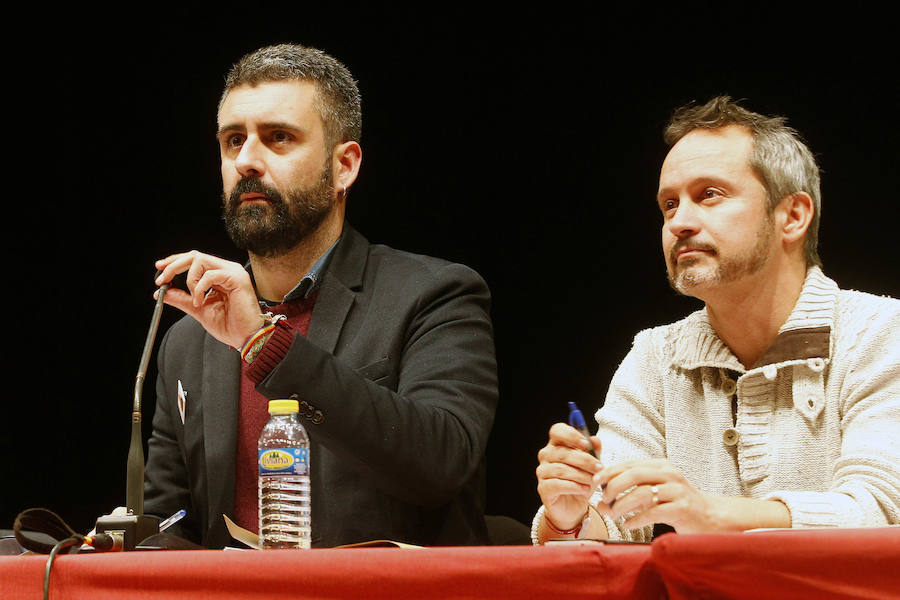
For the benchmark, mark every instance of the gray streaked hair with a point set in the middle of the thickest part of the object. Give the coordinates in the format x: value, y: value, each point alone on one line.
x: 337, y: 99
x: 779, y: 157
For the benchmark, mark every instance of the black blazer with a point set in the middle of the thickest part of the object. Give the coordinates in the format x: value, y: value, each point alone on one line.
x: 398, y: 376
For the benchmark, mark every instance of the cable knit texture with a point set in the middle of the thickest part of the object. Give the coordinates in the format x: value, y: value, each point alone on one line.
x: 818, y: 417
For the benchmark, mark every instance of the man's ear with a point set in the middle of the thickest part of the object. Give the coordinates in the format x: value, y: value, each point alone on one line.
x: 347, y: 159
x: 797, y: 213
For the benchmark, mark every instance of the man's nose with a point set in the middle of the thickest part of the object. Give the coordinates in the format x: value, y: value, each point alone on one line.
x: 685, y: 222
x: 249, y: 161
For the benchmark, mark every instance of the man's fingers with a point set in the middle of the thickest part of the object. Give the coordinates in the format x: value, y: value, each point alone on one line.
x: 173, y: 265
x: 562, y: 471
x: 641, y: 499
x: 180, y: 300
x: 202, y: 282
x: 551, y: 489
x: 162, y: 263
x: 618, y: 478
x: 566, y: 435
x: 203, y: 273
x: 598, y: 446
x: 574, y: 458
x: 664, y: 504
x: 193, y: 262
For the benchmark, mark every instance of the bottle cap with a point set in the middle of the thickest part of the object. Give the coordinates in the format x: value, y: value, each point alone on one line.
x: 283, y: 406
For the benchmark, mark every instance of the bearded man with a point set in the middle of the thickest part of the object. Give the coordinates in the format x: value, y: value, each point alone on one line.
x: 778, y: 403
x: 390, y: 354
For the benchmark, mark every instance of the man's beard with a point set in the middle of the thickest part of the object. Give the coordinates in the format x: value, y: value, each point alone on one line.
x: 272, y: 229
x: 686, y: 278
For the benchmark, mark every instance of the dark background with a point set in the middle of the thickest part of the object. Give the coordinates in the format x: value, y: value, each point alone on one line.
x: 526, y: 145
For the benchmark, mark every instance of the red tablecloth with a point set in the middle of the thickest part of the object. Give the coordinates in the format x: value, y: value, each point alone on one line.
x: 795, y: 564
x: 570, y: 572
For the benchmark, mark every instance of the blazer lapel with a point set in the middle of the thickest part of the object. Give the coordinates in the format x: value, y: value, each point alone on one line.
x: 330, y: 312
x: 338, y: 289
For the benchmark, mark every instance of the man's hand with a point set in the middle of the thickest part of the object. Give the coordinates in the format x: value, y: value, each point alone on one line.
x: 565, y: 475
x: 658, y: 493
x: 221, y: 297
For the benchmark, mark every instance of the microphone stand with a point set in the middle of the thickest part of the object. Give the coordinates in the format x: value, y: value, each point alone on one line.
x: 130, y: 529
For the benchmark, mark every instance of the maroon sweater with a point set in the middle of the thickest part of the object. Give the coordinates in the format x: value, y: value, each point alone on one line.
x: 254, y: 409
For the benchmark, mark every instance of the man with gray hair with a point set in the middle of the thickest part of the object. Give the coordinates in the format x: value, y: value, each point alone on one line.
x: 778, y: 403
x: 389, y: 354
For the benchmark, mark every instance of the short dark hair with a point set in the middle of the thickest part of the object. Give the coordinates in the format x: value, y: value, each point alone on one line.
x: 780, y: 158
x: 338, y: 100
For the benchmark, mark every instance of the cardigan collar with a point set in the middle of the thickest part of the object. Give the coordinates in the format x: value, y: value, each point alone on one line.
x: 806, y: 334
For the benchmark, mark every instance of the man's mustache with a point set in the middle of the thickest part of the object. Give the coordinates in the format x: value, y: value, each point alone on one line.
x: 253, y: 185
x: 689, y: 243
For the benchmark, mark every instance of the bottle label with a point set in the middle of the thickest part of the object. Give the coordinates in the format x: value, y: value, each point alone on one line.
x: 284, y: 461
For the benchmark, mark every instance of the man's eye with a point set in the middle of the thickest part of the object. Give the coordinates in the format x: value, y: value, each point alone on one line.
x: 668, y: 205
x: 234, y: 141
x: 281, y: 137
x: 711, y: 193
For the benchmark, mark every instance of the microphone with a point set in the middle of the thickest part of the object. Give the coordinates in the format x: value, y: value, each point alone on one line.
x: 134, y: 526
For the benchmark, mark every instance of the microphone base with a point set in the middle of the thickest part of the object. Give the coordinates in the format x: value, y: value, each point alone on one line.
x: 131, y: 529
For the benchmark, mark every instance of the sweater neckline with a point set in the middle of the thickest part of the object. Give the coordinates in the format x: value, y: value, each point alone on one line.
x: 805, y: 335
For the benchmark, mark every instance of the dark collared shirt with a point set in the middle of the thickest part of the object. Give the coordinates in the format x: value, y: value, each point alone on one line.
x: 307, y: 285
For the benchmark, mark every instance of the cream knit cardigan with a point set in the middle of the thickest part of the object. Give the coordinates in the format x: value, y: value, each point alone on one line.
x: 818, y: 417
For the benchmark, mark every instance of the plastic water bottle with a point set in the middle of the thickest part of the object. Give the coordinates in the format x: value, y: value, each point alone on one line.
x: 284, y: 515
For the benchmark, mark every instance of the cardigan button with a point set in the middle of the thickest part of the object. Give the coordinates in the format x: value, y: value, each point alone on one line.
x: 815, y: 364
x: 729, y: 387
x: 730, y: 436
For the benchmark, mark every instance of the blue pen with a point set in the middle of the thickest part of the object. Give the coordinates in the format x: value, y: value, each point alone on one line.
x: 576, y: 420
x: 172, y: 520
